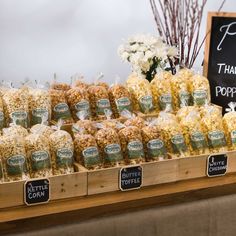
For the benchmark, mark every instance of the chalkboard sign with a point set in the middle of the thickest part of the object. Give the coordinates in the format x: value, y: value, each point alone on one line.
x: 220, y: 62
x: 217, y: 165
x: 130, y: 178
x: 36, y: 191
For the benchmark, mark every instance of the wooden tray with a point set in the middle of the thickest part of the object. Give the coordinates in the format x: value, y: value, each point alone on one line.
x: 63, y: 186
x: 160, y: 172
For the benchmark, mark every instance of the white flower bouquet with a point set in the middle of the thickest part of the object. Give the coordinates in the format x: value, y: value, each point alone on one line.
x: 147, y: 53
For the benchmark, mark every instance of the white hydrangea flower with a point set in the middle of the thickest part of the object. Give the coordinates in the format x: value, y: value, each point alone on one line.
x: 140, y: 50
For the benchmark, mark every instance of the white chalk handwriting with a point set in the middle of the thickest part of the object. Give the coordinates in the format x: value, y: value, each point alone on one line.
x: 227, y: 32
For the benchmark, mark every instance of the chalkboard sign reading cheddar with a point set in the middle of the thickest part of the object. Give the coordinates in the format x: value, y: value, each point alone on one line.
x: 220, y: 58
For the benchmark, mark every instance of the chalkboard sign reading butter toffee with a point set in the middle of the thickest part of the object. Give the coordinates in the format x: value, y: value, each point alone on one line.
x: 130, y: 178
x: 36, y: 191
x: 217, y: 165
x: 220, y: 62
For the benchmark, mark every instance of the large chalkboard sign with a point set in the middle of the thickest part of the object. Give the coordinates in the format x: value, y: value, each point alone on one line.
x: 220, y: 58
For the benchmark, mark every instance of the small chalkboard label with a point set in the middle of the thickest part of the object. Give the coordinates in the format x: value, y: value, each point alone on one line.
x: 217, y: 165
x: 36, y: 191
x: 131, y: 178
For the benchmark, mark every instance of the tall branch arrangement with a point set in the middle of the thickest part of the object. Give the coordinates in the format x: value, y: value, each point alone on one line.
x: 179, y: 23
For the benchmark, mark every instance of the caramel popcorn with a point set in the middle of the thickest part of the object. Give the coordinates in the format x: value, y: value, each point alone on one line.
x: 60, y: 108
x: 154, y: 145
x: 109, y: 145
x: 87, y: 152
x: 132, y: 145
x: 78, y: 101
x: 100, y: 102
x: 120, y: 99
x: 84, y: 126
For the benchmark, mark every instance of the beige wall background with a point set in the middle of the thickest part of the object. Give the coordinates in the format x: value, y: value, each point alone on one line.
x: 40, y: 37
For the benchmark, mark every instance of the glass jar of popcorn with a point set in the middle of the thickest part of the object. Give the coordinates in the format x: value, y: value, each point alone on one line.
x: 60, y: 108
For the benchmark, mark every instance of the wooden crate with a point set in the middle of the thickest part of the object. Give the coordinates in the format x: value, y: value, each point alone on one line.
x: 159, y: 172
x: 63, y: 186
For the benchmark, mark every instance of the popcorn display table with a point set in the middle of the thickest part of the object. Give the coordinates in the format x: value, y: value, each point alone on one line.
x: 192, y: 207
